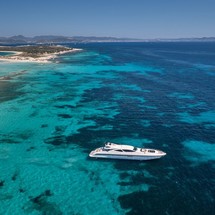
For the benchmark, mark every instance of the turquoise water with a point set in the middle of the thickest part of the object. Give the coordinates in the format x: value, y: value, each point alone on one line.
x: 2, y: 53
x: 158, y: 95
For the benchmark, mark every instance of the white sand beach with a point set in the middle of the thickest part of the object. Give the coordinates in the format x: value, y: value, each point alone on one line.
x: 44, y: 58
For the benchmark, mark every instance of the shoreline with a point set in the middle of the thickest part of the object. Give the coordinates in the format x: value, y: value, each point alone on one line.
x: 44, y: 58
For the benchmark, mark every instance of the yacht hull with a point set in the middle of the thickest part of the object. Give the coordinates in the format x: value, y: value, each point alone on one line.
x: 126, y: 157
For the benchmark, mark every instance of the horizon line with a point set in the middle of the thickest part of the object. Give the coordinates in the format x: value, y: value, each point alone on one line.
x: 114, y: 37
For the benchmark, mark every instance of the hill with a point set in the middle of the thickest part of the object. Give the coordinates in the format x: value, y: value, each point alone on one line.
x: 60, y: 39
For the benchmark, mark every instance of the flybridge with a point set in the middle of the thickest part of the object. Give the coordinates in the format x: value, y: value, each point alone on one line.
x: 109, y: 145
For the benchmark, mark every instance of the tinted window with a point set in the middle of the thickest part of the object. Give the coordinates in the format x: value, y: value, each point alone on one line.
x: 152, y: 151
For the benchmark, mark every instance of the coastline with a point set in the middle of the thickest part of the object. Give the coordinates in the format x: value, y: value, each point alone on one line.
x: 43, y: 58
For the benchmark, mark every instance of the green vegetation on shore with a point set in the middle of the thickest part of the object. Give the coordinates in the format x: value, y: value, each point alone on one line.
x: 35, y: 51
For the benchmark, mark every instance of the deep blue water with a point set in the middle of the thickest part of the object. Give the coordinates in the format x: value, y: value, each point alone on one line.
x: 157, y: 95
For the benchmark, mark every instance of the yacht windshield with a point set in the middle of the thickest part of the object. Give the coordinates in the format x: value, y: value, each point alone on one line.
x: 152, y: 151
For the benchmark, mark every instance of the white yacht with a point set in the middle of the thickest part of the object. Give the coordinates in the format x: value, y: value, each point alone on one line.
x: 116, y: 151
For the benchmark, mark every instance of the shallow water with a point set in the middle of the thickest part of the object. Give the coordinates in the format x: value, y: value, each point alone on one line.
x: 157, y: 95
x: 2, y: 53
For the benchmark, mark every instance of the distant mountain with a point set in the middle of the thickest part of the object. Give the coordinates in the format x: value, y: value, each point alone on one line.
x: 14, y: 39
x: 44, y: 39
x: 18, y: 37
x: 60, y: 39
x: 200, y: 39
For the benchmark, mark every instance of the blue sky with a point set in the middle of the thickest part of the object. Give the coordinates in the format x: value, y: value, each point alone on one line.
x: 146, y: 19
